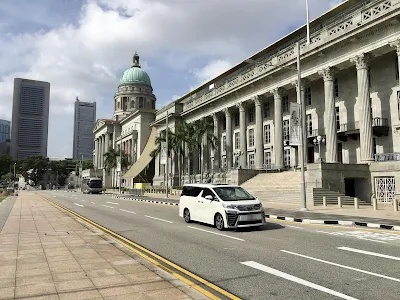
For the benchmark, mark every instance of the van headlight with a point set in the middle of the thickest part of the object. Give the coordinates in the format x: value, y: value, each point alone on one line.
x: 229, y: 206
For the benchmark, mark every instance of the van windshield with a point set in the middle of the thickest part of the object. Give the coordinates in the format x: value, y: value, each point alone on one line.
x: 232, y: 193
x: 97, y: 183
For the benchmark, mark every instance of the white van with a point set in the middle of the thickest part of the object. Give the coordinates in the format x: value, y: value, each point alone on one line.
x: 225, y: 206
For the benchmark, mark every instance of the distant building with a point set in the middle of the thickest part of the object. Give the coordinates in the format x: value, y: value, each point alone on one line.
x: 84, y: 120
x: 5, y: 130
x: 30, y: 118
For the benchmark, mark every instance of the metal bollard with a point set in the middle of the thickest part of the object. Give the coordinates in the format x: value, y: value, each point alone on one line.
x: 339, y: 201
x: 356, y: 206
x: 374, y: 203
x: 395, y: 204
x: 324, y: 201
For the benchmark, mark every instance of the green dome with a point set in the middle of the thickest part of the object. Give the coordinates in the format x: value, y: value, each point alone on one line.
x: 135, y: 75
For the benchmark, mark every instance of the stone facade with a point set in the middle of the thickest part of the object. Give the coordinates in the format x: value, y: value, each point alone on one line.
x: 129, y: 129
x: 350, y: 91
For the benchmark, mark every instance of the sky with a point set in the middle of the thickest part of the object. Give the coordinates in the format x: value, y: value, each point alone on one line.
x: 82, y: 47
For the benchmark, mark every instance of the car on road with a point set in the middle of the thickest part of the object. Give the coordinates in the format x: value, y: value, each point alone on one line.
x: 224, y: 206
x: 92, y: 185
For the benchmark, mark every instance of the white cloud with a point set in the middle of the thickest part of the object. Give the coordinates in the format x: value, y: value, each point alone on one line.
x: 85, y: 57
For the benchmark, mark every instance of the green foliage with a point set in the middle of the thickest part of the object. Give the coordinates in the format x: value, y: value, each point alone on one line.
x: 87, y: 164
x: 32, y: 167
x: 111, y: 160
x: 5, y: 164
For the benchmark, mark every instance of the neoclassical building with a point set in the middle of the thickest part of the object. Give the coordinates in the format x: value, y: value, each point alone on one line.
x: 350, y: 87
x: 129, y: 128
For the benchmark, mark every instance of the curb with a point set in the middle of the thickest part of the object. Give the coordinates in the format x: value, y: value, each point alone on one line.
x: 144, y: 200
x: 334, y: 222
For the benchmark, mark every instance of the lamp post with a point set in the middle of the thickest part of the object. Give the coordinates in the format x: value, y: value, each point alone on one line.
x: 318, y: 141
x: 166, y: 163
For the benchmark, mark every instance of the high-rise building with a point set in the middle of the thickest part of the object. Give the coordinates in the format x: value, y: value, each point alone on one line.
x: 30, y: 118
x: 5, y: 130
x: 84, y: 120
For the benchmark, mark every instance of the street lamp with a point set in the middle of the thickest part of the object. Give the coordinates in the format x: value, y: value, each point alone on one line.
x: 317, y: 142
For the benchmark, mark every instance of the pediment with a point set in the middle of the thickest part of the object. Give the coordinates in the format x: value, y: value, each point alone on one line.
x: 99, y: 124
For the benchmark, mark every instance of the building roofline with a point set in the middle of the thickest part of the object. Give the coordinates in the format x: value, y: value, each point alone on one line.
x: 342, y: 7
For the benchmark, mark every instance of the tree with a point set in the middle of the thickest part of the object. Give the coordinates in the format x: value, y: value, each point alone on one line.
x: 33, y: 167
x: 87, y: 164
x: 59, y: 170
x: 111, y: 158
x: 5, y: 164
x: 203, y: 128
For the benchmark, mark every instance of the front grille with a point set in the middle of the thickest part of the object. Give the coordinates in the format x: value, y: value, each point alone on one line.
x: 249, y: 207
x: 232, y: 218
x: 249, y: 222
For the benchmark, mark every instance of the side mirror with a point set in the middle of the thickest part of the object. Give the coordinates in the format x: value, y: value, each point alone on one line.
x: 209, y: 197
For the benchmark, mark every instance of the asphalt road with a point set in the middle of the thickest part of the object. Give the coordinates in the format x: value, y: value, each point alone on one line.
x: 283, y: 261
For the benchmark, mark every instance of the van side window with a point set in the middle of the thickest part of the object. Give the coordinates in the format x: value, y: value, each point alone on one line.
x: 207, y: 192
x: 191, y: 191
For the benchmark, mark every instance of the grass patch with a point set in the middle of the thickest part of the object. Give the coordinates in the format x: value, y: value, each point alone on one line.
x: 2, y: 198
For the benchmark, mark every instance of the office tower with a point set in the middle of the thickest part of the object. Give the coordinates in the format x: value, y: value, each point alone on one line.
x: 84, y: 120
x: 30, y: 118
x: 5, y: 130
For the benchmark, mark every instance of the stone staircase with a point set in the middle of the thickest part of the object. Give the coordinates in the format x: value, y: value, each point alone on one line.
x: 282, y: 187
x: 332, y: 197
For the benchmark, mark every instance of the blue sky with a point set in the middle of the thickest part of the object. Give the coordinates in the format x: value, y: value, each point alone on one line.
x: 82, y: 47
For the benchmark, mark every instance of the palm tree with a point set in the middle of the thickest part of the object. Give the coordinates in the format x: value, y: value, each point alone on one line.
x: 203, y: 128
x: 111, y: 158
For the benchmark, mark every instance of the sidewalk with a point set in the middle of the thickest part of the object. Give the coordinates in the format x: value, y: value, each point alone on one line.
x: 46, y: 254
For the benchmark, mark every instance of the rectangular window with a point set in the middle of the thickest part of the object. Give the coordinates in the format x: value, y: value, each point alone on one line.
x: 237, y: 120
x: 286, y: 130
x: 267, y: 110
x: 398, y: 103
x: 337, y: 118
x: 224, y: 124
x: 251, y: 137
x: 237, y: 140
x: 374, y: 141
x: 224, y: 143
x: 267, y: 134
x: 307, y: 93
x: 251, y: 161
x: 336, y: 87
x: 309, y: 125
x: 251, y: 115
x: 285, y: 104
x: 396, y: 64
x: 286, y: 158
x: 340, y: 152
x: 267, y: 160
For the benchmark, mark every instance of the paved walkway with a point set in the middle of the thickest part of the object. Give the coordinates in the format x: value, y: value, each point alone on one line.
x: 46, y: 254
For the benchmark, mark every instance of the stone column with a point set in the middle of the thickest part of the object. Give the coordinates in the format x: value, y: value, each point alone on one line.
x: 228, y: 116
x: 100, y: 159
x: 107, y: 142
x: 396, y: 44
x: 243, y: 135
x: 330, y: 116
x: 278, y: 126
x: 103, y: 150
x: 217, y: 153
x: 365, y: 113
x: 96, y: 154
x: 259, y: 140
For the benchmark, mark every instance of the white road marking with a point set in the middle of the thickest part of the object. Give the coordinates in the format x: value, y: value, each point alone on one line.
x: 343, y: 266
x: 78, y: 204
x: 92, y: 202
x: 83, y: 200
x: 369, y: 253
x: 113, y: 203
x: 159, y: 219
x: 365, y: 235
x: 294, y: 226
x: 287, y: 276
x: 108, y: 206
x: 131, y: 212
x: 228, y: 236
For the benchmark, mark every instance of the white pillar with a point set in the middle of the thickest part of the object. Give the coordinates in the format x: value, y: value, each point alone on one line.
x: 259, y: 140
x: 228, y: 116
x: 396, y: 45
x: 217, y: 153
x: 100, y: 152
x: 365, y: 112
x: 278, y: 126
x: 330, y: 116
x: 243, y: 135
x: 96, y: 153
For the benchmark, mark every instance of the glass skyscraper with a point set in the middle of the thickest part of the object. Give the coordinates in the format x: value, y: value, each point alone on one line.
x: 5, y: 130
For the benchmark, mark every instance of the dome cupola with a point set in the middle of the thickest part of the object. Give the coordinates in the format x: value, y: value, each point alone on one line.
x: 135, y: 75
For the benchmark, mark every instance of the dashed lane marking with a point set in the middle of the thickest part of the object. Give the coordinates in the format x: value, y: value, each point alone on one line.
x: 78, y: 204
x: 108, y: 206
x: 159, y: 219
x: 216, y: 233
x: 131, y: 212
x: 368, y: 253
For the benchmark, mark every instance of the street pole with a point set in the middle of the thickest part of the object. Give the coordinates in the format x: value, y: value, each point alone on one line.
x: 166, y: 163
x: 308, y: 23
x: 302, y: 130
x: 120, y: 167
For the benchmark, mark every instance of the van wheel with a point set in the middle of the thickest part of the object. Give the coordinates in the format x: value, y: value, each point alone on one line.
x: 186, y: 215
x: 219, y: 222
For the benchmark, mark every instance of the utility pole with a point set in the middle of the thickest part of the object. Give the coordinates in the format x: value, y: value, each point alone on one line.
x: 302, y: 130
x: 308, y: 23
x: 166, y: 163
x: 120, y: 166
